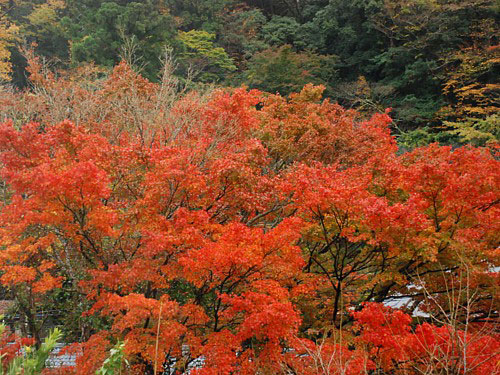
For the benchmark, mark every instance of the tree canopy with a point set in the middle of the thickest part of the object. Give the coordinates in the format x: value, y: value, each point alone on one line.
x: 250, y: 187
x: 410, y: 54
x: 259, y: 232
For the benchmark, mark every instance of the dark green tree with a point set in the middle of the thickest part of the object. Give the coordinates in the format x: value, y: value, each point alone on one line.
x: 281, y: 70
x: 99, y: 29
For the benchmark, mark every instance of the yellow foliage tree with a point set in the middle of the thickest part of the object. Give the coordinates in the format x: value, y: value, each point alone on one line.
x: 8, y: 32
x: 472, y: 89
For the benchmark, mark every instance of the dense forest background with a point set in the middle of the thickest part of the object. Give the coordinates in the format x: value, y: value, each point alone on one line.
x: 221, y: 187
x: 434, y: 62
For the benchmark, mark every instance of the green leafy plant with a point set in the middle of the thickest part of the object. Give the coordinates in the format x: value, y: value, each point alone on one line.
x: 113, y: 364
x: 34, y: 361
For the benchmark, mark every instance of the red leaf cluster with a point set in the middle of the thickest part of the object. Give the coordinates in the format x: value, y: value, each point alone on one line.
x: 240, y: 226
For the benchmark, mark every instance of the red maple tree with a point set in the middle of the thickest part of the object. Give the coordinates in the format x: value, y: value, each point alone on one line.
x: 241, y: 226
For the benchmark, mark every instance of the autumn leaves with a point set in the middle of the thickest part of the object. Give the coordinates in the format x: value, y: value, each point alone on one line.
x: 259, y: 224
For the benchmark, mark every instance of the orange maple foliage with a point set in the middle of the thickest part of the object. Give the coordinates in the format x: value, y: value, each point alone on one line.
x: 237, y: 225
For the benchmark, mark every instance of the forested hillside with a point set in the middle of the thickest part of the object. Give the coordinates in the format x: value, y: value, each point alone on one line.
x: 250, y: 187
x: 434, y: 62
